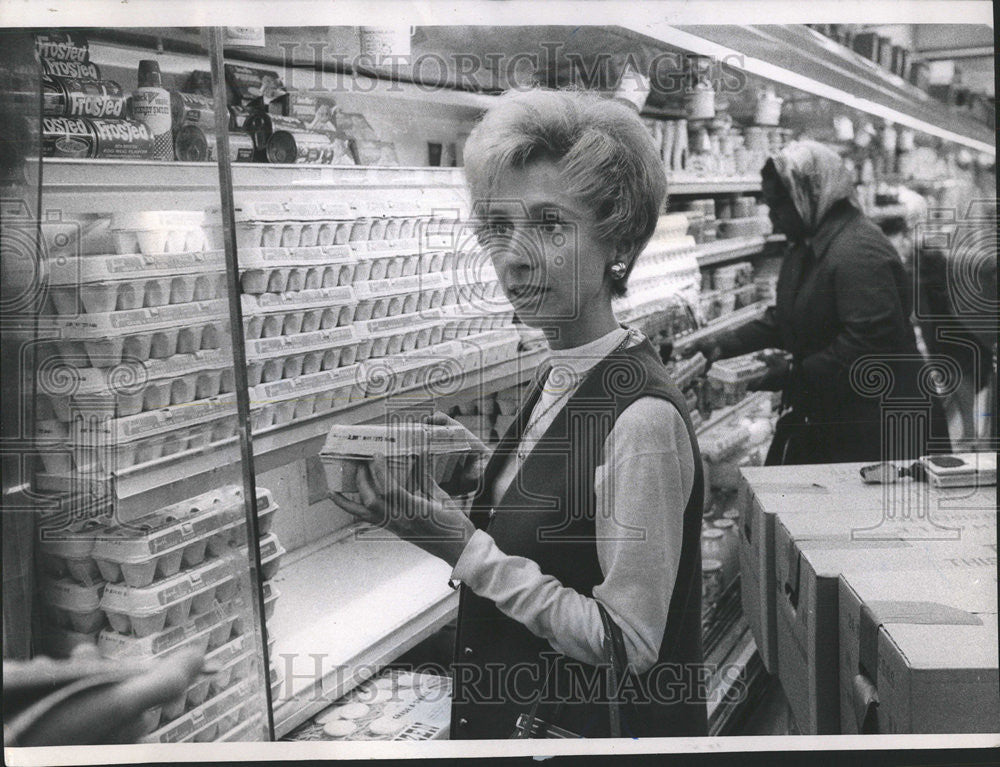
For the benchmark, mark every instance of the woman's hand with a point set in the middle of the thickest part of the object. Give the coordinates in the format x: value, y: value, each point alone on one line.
x: 435, y: 524
x: 467, y: 478
x: 776, y: 375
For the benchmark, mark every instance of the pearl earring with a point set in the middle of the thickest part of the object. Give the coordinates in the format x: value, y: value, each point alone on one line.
x: 618, y: 270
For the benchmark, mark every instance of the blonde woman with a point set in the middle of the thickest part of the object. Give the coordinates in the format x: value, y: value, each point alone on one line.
x: 594, y: 495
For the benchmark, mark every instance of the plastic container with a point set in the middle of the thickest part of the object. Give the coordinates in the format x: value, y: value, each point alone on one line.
x: 70, y: 605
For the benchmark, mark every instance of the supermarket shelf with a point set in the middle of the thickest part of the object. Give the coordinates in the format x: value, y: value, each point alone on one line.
x: 340, y: 619
x: 684, y: 186
x: 722, y: 414
x: 171, y: 479
x: 720, y: 251
x: 734, y: 320
x: 799, y: 57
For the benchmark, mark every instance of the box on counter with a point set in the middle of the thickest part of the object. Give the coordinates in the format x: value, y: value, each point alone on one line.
x: 811, y: 551
x: 918, y: 652
x: 833, y: 488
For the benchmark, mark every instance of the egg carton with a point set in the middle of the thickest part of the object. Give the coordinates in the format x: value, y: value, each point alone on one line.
x: 271, y: 554
x: 102, y: 458
x: 170, y: 602
x: 137, y: 293
x: 79, y: 270
x: 70, y: 605
x: 100, y: 380
x: 416, y: 283
x: 293, y: 234
x: 278, y: 324
x: 737, y: 369
x: 164, y: 231
x: 201, y: 723
x: 316, y: 255
x: 289, y: 210
x: 160, y: 343
x: 302, y: 299
x: 391, y: 265
x: 102, y: 324
x: 302, y: 343
x: 296, y: 398
x: 153, y: 395
x: 176, y: 535
x: 69, y: 552
x: 203, y: 633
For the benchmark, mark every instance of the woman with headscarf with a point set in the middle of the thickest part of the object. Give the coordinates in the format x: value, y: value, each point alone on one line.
x: 841, y: 295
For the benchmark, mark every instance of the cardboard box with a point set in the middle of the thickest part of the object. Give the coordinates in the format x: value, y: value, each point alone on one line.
x: 811, y: 551
x: 918, y: 652
x: 764, y: 492
x: 908, y: 510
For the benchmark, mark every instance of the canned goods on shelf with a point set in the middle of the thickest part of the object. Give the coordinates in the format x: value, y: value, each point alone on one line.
x: 196, y: 143
x: 75, y: 97
x: 96, y: 137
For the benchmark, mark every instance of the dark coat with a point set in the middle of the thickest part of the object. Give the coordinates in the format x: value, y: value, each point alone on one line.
x: 843, y: 295
x: 547, y: 515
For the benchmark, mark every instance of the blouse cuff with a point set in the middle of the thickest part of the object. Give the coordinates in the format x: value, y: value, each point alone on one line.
x: 474, y: 556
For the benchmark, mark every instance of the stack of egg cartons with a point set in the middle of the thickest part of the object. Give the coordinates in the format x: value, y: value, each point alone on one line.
x: 142, y: 351
x: 175, y: 579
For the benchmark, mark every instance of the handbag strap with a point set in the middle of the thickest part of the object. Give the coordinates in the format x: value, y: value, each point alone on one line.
x: 614, y: 655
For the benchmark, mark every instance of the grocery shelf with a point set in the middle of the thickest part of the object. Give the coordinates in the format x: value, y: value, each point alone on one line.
x: 339, y: 619
x: 722, y: 414
x: 720, y: 251
x: 801, y: 58
x: 690, y: 186
x: 728, y: 322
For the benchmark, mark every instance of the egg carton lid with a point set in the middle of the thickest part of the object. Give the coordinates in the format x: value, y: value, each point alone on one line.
x: 115, y: 324
x: 270, y: 548
x: 153, y: 422
x: 160, y: 596
x: 318, y: 340
x: 410, y: 438
x: 313, y: 383
x: 315, y: 255
x: 233, y: 649
x: 400, y: 285
x: 67, y: 594
x: 315, y: 298
x: 373, y: 249
x: 400, y: 322
x: 75, y: 270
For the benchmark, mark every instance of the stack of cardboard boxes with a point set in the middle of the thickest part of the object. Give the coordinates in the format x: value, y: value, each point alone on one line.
x: 875, y: 605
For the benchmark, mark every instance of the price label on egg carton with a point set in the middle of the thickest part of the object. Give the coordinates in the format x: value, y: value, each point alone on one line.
x: 99, y: 325
x: 286, y: 210
x: 153, y: 422
x: 76, y: 270
x: 318, y: 340
x: 414, y: 321
x: 266, y: 303
x: 405, y: 246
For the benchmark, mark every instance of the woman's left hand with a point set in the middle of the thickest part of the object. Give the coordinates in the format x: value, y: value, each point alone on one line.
x: 435, y: 525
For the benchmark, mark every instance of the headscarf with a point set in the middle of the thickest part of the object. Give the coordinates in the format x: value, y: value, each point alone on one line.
x: 816, y: 178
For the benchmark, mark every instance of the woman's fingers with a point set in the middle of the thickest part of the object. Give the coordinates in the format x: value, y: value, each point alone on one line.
x: 352, y: 507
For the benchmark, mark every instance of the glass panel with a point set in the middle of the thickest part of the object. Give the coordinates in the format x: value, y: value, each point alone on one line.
x: 129, y: 466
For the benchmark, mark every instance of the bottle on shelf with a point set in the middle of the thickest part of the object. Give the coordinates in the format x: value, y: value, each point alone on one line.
x: 151, y: 106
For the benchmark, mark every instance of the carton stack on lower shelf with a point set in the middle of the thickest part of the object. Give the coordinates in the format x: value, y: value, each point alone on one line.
x: 175, y: 579
x: 875, y: 605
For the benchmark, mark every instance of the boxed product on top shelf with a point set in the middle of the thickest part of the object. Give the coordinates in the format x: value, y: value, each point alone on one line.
x: 728, y: 379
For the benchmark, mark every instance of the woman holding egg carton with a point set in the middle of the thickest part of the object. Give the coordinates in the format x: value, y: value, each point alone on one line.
x: 592, y: 500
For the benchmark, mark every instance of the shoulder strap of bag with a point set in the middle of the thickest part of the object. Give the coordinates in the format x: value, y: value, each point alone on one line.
x: 614, y: 655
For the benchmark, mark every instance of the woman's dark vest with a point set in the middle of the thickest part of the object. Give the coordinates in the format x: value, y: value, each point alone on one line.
x: 547, y: 515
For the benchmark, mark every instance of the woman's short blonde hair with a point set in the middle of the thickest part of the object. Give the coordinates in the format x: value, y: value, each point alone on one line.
x: 605, y: 153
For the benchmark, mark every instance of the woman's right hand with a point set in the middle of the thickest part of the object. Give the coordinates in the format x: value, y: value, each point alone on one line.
x: 470, y: 473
